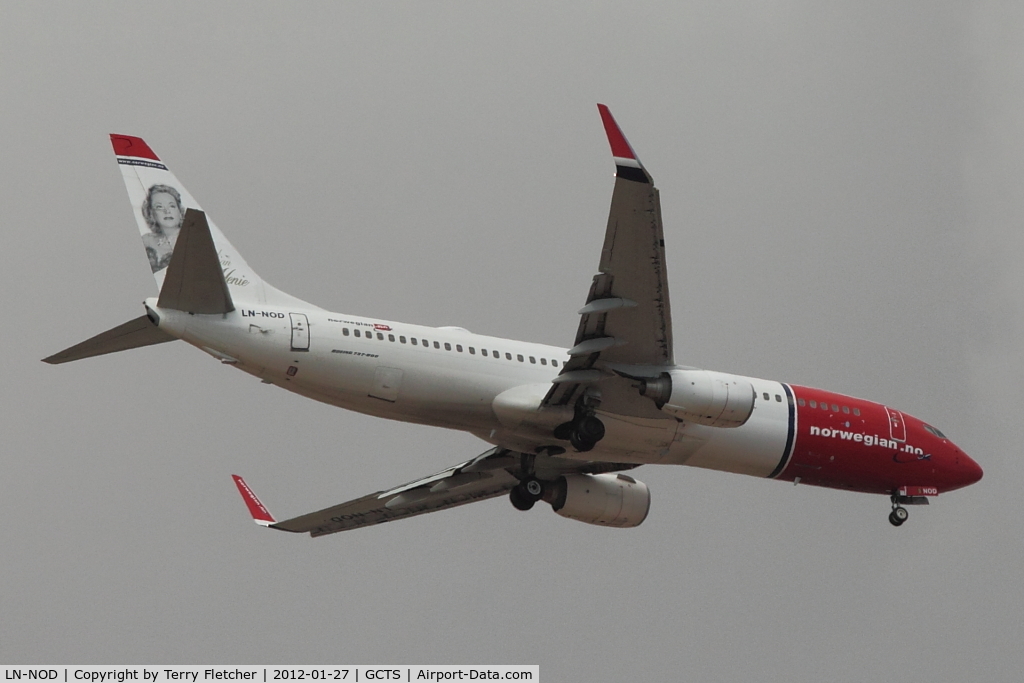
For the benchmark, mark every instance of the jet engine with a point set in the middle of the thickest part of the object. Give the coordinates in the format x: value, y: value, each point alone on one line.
x: 603, y: 499
x: 702, y: 396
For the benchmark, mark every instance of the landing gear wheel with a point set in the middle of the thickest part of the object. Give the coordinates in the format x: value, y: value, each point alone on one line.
x: 533, y: 488
x: 898, y: 516
x: 563, y: 431
x: 590, y: 428
x: 520, y: 499
x: 580, y: 444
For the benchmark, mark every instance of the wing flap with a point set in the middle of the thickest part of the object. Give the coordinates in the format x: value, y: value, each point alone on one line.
x: 131, y: 335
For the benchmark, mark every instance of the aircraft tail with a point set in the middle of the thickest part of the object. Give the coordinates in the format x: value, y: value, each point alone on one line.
x: 166, y: 213
x: 130, y: 335
x: 196, y: 269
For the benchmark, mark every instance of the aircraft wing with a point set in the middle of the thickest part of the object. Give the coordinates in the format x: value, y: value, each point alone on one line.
x: 626, y: 325
x: 478, y: 479
x: 486, y: 476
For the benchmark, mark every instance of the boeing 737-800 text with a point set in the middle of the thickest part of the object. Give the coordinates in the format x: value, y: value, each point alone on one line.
x: 564, y: 424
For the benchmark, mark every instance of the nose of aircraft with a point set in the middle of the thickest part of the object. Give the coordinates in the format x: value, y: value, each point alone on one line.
x: 968, y: 471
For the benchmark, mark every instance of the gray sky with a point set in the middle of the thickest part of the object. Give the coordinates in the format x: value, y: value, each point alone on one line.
x: 841, y: 195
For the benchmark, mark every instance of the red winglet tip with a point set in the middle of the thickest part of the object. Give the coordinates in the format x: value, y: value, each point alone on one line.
x: 258, y: 510
x: 619, y: 144
x: 129, y: 146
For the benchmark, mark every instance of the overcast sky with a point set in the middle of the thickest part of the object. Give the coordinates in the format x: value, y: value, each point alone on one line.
x: 841, y: 191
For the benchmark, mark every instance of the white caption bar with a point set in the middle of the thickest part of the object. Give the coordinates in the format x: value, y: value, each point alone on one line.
x: 270, y: 674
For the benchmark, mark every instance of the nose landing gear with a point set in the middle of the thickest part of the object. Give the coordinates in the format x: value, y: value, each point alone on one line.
x: 899, y: 513
x: 900, y: 498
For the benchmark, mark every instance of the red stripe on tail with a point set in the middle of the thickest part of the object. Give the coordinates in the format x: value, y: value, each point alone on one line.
x: 128, y: 146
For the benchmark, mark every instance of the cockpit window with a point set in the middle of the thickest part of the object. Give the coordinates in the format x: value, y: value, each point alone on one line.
x: 935, y: 431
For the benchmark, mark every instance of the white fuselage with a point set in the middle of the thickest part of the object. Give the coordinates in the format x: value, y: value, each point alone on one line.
x: 450, y: 377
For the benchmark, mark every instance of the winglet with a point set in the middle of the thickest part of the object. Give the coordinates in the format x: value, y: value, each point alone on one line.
x: 627, y: 163
x: 258, y: 510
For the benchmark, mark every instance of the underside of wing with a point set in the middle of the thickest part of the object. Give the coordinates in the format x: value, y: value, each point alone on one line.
x: 625, y: 328
x: 478, y: 479
x: 491, y: 474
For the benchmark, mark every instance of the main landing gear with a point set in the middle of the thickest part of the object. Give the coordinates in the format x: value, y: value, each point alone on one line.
x: 583, y: 433
x: 526, y: 493
x: 899, y: 513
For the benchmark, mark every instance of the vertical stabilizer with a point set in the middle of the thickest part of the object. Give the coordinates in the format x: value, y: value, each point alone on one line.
x: 160, y: 202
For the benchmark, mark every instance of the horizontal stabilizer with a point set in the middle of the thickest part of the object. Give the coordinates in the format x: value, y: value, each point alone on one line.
x: 130, y: 335
x: 195, y: 280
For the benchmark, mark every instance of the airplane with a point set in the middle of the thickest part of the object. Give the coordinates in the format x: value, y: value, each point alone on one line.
x: 564, y: 425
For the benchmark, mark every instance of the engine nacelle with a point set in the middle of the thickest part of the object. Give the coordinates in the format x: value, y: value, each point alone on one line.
x: 702, y: 396
x: 603, y: 499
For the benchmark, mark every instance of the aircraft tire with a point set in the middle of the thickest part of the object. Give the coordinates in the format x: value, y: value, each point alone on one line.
x: 898, y: 516
x: 581, y: 444
x: 520, y: 499
x: 590, y: 428
x: 533, y: 488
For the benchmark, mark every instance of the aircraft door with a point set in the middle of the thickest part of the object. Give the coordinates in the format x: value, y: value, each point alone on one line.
x: 897, y: 428
x: 300, y: 332
x: 386, y: 383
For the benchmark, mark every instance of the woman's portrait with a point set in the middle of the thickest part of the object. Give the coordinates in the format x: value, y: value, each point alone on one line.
x: 163, y: 213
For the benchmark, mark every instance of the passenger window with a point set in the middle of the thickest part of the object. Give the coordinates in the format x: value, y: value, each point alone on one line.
x: 554, y: 363
x: 381, y: 337
x: 824, y: 406
x: 543, y: 361
x: 356, y: 332
x: 508, y: 356
x: 856, y: 411
x: 835, y: 408
x: 391, y: 337
x: 472, y: 351
x: 814, y: 404
x: 401, y: 339
x: 344, y: 331
x: 483, y: 352
x: 458, y: 347
x: 447, y: 346
x: 425, y: 342
x: 519, y: 356
x: 846, y: 409
x: 496, y: 354
x: 413, y: 340
x: 800, y: 402
x: 533, y: 360
x: 778, y: 399
x: 765, y: 394
x: 436, y: 345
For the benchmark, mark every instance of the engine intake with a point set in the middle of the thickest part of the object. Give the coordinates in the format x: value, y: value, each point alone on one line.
x: 602, y: 499
x: 702, y: 396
